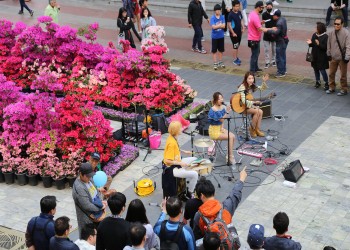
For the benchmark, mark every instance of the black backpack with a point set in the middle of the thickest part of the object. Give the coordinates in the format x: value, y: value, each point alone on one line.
x: 166, y: 244
x: 203, y: 124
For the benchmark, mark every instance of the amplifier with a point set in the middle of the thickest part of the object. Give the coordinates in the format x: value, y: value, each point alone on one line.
x: 294, y: 171
x: 266, y: 107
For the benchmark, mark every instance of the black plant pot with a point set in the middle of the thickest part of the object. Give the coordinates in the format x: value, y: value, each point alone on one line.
x: 9, y: 177
x: 22, y: 179
x: 33, y: 180
x: 71, y: 180
x: 60, y: 183
x: 47, y: 181
x: 2, y: 177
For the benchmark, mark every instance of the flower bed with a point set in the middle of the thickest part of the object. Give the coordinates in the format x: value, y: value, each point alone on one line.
x: 127, y: 155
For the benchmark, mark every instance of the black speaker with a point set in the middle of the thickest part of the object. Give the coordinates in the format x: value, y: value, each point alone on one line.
x: 294, y: 171
x: 266, y: 107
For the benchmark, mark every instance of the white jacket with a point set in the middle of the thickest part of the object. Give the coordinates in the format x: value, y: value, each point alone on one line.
x: 84, y: 245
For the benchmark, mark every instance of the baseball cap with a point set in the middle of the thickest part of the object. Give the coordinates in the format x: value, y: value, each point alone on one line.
x: 259, y: 4
x: 86, y: 169
x: 256, y: 235
x: 217, y: 7
x: 96, y: 156
x: 276, y: 12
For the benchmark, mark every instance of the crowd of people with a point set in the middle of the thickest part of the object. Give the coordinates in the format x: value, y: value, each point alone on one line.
x: 135, y: 231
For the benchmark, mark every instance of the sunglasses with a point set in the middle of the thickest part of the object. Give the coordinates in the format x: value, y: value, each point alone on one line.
x: 337, y: 24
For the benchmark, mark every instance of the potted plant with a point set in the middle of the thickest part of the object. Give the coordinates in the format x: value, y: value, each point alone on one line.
x: 58, y: 173
x: 32, y: 171
x: 21, y: 172
x: 10, y: 162
x: 71, y: 166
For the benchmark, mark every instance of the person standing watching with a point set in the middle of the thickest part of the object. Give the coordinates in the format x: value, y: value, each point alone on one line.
x: 88, y: 238
x: 280, y: 32
x: 195, y: 15
x: 86, y: 197
x: 113, y: 231
x: 318, y: 43
x: 269, y: 39
x: 254, y: 35
x: 342, y: 5
x: 52, y: 10
x: 61, y: 241
x: 338, y: 52
x: 41, y: 228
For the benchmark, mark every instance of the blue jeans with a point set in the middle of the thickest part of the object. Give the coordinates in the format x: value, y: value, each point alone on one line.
x: 197, y: 38
x: 281, y: 60
x: 254, y: 58
x: 23, y: 5
x: 324, y: 75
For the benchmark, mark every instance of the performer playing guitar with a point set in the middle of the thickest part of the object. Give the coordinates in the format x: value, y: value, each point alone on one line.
x: 248, y: 105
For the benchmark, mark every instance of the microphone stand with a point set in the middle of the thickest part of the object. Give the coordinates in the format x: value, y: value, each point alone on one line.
x: 246, y: 120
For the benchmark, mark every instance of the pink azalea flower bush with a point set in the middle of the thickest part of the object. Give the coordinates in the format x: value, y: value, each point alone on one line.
x: 45, y: 56
x: 155, y: 36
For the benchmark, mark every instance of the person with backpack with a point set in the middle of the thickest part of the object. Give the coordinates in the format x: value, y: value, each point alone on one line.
x: 41, y: 228
x: 172, y: 233
x: 212, y: 210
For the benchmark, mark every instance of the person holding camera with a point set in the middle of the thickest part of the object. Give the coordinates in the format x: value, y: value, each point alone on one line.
x: 335, y: 6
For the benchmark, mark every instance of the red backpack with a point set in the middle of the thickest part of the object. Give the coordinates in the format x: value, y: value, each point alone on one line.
x: 228, y: 234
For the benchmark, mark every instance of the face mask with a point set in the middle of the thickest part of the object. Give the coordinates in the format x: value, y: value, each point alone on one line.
x: 268, y: 10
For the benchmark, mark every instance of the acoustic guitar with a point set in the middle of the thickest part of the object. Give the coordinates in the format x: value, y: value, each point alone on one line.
x: 238, y: 106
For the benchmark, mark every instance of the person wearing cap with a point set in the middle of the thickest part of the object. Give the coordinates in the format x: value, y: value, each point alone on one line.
x: 280, y: 33
x: 41, y: 228
x: 269, y: 39
x: 281, y: 240
x: 87, y: 198
x: 255, y: 237
x: 217, y: 23
x: 254, y: 35
x: 94, y: 161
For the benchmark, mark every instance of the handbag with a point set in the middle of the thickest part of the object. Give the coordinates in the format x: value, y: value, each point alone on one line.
x: 309, y: 57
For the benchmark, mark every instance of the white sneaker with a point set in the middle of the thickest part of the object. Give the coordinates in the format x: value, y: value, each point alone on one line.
x: 275, y: 3
x: 202, y: 39
x: 227, y: 33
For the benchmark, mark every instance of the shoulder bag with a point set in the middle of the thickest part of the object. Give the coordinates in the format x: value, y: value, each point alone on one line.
x: 309, y: 57
x: 341, y: 50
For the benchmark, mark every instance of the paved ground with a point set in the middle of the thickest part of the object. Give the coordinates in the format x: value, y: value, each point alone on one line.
x: 308, y: 111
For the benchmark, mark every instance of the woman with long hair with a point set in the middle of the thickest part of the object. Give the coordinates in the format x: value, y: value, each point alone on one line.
x: 318, y: 43
x: 248, y: 87
x: 216, y: 116
x: 137, y: 213
x: 146, y: 21
x: 125, y: 24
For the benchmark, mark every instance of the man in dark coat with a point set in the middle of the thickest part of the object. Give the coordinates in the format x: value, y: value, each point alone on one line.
x: 195, y: 15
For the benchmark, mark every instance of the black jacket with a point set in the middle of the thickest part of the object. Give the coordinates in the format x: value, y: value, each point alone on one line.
x: 57, y: 243
x: 338, y: 2
x: 319, y: 52
x: 196, y: 13
x: 281, y: 32
x: 126, y: 27
x: 272, y: 23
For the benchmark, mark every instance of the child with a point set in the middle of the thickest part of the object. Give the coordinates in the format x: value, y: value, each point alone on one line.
x: 236, y: 28
x: 217, y: 22
x: 125, y: 25
x: 146, y: 21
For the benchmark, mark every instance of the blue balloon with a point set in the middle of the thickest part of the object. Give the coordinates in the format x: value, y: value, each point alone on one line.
x: 100, y: 179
